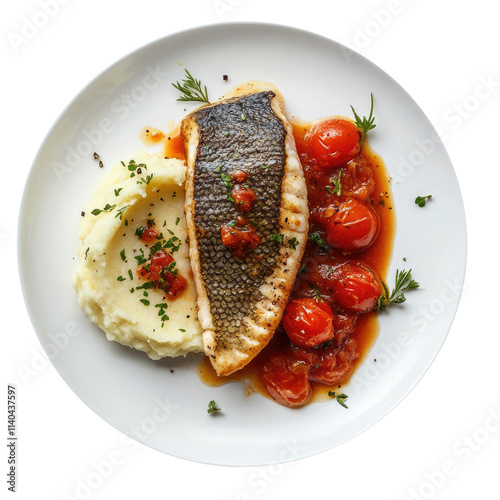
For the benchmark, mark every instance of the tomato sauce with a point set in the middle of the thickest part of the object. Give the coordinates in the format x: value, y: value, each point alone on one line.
x: 364, y: 180
x: 174, y: 148
x: 151, y: 135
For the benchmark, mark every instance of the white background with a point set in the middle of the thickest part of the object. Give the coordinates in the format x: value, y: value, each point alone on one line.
x: 443, y: 440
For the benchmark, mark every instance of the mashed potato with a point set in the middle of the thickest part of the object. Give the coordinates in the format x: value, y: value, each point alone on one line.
x: 106, y: 281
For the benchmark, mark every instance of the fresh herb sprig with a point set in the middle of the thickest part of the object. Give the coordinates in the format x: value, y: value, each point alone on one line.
x: 365, y: 124
x: 404, y: 282
x: 340, y: 398
x: 337, y: 185
x: 212, y: 407
x: 191, y: 89
x: 420, y: 200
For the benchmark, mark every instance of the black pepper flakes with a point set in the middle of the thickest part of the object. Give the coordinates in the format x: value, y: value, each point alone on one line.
x: 82, y: 213
x: 225, y: 78
x: 96, y: 156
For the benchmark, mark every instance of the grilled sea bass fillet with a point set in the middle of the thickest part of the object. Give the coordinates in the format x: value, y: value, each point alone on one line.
x: 241, y: 300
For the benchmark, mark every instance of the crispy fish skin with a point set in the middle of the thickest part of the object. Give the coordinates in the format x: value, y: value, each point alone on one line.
x: 241, y: 301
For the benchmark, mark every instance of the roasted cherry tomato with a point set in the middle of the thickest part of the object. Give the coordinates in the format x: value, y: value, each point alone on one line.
x: 353, y: 227
x: 332, y: 142
x: 355, y: 287
x: 287, y: 380
x: 334, y: 367
x: 308, y: 322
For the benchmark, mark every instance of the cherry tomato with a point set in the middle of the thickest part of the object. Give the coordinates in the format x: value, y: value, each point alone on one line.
x: 355, y: 287
x: 287, y: 380
x: 308, y: 322
x: 353, y: 227
x: 334, y: 367
x: 332, y: 142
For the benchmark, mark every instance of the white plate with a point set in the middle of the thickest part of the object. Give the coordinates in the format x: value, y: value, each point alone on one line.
x: 168, y: 411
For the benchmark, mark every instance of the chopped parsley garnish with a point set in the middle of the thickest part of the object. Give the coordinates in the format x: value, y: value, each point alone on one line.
x: 145, y: 302
x: 277, y: 237
x: 123, y: 256
x: 404, y: 282
x: 162, y: 307
x: 146, y: 181
x: 120, y: 278
x: 319, y: 241
x: 293, y: 242
x: 135, y: 168
x: 316, y: 292
x: 177, y: 220
x: 141, y: 259
x: 420, y: 200
x: 226, y: 179
x: 117, y: 191
x: 173, y: 243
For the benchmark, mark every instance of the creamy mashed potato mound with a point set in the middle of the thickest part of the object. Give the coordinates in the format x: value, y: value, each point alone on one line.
x: 110, y: 252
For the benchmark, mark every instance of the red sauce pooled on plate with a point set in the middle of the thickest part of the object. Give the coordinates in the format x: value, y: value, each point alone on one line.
x: 350, y: 241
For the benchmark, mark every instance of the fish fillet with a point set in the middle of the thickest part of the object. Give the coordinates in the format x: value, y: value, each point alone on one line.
x: 241, y: 300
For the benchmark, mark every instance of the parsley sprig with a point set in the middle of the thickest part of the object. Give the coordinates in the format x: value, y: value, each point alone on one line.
x: 420, y: 200
x: 191, y: 89
x: 404, y: 282
x: 212, y: 407
x: 365, y: 124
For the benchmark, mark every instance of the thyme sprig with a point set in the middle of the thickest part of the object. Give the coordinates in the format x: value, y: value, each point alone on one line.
x: 404, y: 282
x: 191, y: 89
x: 365, y: 124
